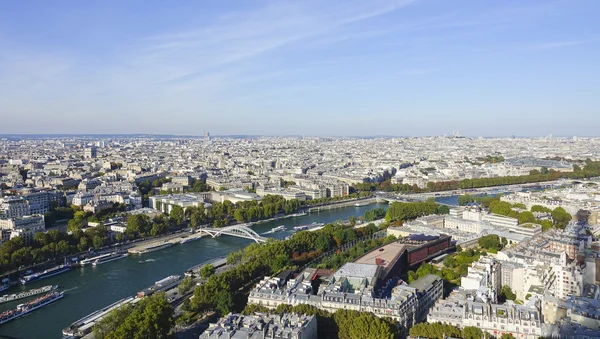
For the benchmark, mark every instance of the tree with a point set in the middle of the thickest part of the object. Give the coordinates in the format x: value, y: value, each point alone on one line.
x: 176, y: 214
x: 540, y: 209
x: 526, y: 217
x: 224, y: 302
x: 490, y: 242
x: 152, y: 317
x: 207, y: 271
x: 239, y: 215
x: 138, y: 224
x: 353, y: 324
x: 507, y: 336
x: 506, y: 294
x: 352, y: 220
x: 472, y: 332
x: 185, y: 285
x: 561, y: 217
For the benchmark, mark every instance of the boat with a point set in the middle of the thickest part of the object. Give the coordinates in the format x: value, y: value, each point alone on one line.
x: 361, y: 204
x: 152, y: 248
x: 85, y: 325
x: 113, y: 256
x: 276, y: 229
x: 93, y: 259
x: 30, y: 306
x: 45, y: 274
x: 188, y: 239
x: 308, y: 226
x: 27, y: 294
x: 161, y: 285
x: 4, y: 287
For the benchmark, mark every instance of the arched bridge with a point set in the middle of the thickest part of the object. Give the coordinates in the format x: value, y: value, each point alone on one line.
x: 240, y: 231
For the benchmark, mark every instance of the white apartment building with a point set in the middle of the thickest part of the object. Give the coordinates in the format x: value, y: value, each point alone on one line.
x: 39, y: 202
x: 182, y: 180
x: 13, y: 207
x: 25, y: 227
x: 522, y: 321
x: 82, y: 198
x: 463, y: 225
x: 286, y: 194
x: 165, y: 203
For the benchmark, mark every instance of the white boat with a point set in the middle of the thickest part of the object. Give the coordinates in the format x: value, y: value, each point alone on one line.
x: 31, y: 306
x: 309, y: 226
x: 112, y: 257
x: 94, y: 259
x: 27, y: 294
x: 276, y: 229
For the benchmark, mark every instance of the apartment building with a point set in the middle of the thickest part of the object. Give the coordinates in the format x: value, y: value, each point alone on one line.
x: 25, y: 227
x: 13, y: 207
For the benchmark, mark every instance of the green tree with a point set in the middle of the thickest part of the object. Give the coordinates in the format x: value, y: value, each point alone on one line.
x: 561, y: 217
x: 472, y: 332
x: 152, y: 317
x: 541, y: 209
x: 239, y: 215
x: 185, y: 285
x: 506, y: 293
x: 176, y: 214
x: 490, y: 242
x: 224, y: 302
x: 207, y: 271
x: 138, y: 224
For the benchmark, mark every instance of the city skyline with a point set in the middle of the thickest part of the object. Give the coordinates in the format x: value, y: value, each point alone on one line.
x: 334, y: 68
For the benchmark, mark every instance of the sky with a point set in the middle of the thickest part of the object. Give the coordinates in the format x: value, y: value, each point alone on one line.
x: 310, y: 67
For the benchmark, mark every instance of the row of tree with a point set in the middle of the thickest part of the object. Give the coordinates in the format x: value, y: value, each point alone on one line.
x: 591, y: 169
x: 15, y: 252
x: 325, y: 200
x: 560, y: 217
x: 401, y: 211
x: 374, y: 214
x: 442, y: 331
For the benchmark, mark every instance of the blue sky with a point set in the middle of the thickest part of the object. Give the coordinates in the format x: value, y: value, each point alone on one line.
x: 343, y: 67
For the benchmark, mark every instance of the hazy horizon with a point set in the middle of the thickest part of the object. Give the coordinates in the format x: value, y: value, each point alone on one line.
x: 314, y: 68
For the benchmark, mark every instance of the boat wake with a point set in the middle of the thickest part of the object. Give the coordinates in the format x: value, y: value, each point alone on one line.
x: 147, y: 260
x: 71, y: 289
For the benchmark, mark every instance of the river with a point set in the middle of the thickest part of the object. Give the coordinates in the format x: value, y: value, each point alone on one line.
x: 91, y: 288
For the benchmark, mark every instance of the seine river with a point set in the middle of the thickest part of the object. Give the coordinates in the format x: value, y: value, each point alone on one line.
x: 91, y: 288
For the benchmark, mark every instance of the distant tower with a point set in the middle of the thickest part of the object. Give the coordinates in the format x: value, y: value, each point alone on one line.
x: 206, y: 136
x: 90, y: 152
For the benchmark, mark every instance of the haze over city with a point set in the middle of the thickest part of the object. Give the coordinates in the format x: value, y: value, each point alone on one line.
x: 378, y: 67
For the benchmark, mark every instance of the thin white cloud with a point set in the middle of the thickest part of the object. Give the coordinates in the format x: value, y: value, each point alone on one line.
x: 545, y: 46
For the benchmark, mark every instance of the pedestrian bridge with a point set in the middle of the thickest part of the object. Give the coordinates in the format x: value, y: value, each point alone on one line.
x: 240, y: 231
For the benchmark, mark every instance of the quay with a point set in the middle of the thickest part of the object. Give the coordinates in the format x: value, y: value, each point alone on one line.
x: 343, y: 204
x: 157, y: 244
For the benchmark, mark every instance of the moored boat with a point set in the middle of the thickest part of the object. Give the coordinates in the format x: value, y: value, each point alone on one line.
x: 112, y: 257
x: 30, y: 306
x: 27, y: 294
x: 45, y: 274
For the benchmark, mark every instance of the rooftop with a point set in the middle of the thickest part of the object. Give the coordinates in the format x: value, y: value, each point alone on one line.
x: 387, y: 254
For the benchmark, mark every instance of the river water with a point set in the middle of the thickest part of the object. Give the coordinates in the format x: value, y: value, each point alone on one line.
x: 91, y: 288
